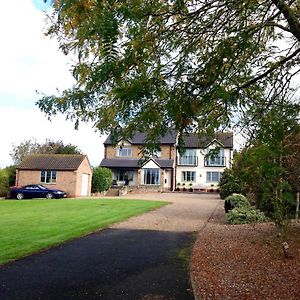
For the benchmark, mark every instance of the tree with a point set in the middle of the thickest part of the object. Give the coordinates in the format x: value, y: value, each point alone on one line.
x: 33, y: 147
x: 148, y: 65
x: 101, y: 180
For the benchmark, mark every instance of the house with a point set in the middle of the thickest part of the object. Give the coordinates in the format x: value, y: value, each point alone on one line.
x: 127, y: 164
x: 204, y: 160
x: 200, y: 166
x: 67, y: 172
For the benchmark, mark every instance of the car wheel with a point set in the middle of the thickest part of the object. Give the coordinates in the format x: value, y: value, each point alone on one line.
x: 20, y: 196
x: 49, y: 196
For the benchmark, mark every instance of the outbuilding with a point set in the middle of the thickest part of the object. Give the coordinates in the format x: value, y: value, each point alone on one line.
x: 67, y: 172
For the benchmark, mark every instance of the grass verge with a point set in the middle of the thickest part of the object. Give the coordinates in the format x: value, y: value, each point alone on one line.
x: 29, y: 226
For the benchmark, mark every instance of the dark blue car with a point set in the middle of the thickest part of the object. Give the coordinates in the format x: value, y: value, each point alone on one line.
x: 36, y: 191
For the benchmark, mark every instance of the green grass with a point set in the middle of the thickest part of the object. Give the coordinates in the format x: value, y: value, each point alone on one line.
x: 29, y: 226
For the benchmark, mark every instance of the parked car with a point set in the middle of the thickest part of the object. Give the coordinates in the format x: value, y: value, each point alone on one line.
x: 36, y: 191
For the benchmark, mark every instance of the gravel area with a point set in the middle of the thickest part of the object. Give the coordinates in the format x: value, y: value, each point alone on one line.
x: 187, y: 212
x: 245, y: 261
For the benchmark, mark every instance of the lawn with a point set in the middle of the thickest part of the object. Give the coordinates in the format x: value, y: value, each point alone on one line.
x: 28, y: 226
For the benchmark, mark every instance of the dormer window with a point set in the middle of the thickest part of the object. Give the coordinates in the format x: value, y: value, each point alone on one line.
x: 124, y: 152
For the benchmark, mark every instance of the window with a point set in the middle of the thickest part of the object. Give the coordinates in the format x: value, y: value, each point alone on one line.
x: 189, y: 158
x: 213, y: 176
x: 215, y: 158
x: 121, y: 175
x: 187, y: 176
x: 48, y: 176
x: 124, y: 152
x: 151, y: 176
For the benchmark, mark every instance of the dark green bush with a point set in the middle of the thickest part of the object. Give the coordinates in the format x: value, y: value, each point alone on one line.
x: 101, y: 180
x: 244, y: 215
x: 229, y: 184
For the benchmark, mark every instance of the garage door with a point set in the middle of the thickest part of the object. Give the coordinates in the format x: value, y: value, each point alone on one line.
x: 84, y: 185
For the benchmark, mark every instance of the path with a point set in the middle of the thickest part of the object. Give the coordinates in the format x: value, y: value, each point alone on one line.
x: 143, y: 258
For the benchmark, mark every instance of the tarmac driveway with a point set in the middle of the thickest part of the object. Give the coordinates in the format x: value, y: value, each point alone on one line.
x: 145, y: 257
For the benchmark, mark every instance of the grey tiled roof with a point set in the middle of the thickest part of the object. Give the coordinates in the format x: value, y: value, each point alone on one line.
x: 51, y: 162
x: 196, y: 141
x: 140, y: 137
x: 191, y: 140
x: 134, y: 163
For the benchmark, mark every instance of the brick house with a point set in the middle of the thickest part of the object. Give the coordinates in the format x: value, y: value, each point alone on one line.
x: 126, y: 162
x: 167, y: 169
x: 67, y: 172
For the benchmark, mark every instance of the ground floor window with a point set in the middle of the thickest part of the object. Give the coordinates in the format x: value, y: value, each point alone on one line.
x: 48, y: 176
x: 213, y: 176
x: 151, y: 176
x: 122, y: 175
x: 188, y: 176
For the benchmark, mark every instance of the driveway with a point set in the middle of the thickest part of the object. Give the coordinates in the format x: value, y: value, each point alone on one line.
x: 145, y: 257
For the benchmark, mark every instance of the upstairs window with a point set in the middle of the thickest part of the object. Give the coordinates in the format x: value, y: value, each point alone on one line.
x: 189, y: 158
x: 215, y: 158
x: 48, y: 176
x: 124, y: 152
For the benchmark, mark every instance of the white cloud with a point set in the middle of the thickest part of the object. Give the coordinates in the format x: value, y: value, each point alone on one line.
x: 25, y: 124
x: 29, y: 62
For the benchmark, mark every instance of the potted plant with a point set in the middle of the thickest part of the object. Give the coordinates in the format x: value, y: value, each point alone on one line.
x: 191, y: 187
x: 177, y: 188
x: 184, y: 189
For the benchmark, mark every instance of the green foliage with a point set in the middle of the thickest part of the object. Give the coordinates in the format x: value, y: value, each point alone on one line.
x: 101, y: 180
x: 245, y: 215
x: 147, y: 65
x: 229, y: 184
x: 3, y: 183
x: 238, y: 201
x: 48, y: 147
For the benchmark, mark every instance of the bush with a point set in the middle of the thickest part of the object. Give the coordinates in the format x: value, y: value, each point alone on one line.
x: 244, y: 215
x: 4, y: 178
x: 238, y: 201
x: 101, y: 180
x: 229, y: 184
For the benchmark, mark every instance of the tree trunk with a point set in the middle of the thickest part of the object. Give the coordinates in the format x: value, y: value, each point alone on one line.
x: 297, y: 205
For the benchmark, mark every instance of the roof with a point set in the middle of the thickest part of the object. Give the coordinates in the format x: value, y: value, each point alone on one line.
x: 139, y: 138
x: 192, y: 140
x: 135, y: 163
x: 196, y: 141
x: 67, y: 162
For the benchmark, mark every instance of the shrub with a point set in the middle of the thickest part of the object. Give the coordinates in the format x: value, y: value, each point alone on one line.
x: 244, y: 215
x: 238, y: 201
x: 4, y: 178
x: 229, y: 184
x: 101, y: 180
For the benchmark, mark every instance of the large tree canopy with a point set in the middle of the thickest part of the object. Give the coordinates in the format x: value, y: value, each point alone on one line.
x: 151, y: 64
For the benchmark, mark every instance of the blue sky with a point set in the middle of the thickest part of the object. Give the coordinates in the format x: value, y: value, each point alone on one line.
x: 30, y: 62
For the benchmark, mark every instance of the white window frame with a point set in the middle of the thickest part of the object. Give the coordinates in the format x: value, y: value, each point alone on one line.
x: 151, y: 172
x: 210, y: 176
x: 48, y: 176
x: 124, y: 152
x: 218, y: 159
x: 188, y: 176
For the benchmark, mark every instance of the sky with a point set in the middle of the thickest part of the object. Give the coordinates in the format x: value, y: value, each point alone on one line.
x: 31, y: 62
